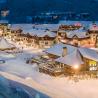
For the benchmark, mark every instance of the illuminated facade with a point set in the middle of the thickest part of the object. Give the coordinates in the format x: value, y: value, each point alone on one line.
x: 68, y: 60
x: 78, y: 36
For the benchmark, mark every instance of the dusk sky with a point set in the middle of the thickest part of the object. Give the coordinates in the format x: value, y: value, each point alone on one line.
x: 31, y: 7
x: 46, y: 5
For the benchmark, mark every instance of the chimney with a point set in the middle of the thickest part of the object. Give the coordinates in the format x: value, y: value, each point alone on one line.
x: 64, y: 53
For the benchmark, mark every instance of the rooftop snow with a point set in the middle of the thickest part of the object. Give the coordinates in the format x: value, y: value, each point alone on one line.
x: 21, y: 26
x: 51, y: 27
x: 58, y: 49
x: 5, y: 44
x: 40, y: 33
x: 72, y: 53
x: 89, y: 53
x: 80, y: 33
x: 72, y: 59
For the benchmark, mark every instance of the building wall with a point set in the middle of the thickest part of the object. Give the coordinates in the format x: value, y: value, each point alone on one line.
x: 90, y: 41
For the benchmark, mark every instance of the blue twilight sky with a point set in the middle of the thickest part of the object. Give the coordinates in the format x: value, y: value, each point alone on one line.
x: 30, y: 7
x: 45, y: 5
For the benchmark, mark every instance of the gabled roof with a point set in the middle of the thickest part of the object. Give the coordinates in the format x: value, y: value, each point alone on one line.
x: 80, y: 33
x: 73, y: 53
x: 89, y: 53
x: 40, y: 33
x: 4, y: 44
x: 58, y: 49
x: 51, y: 27
x: 72, y: 59
x: 21, y: 26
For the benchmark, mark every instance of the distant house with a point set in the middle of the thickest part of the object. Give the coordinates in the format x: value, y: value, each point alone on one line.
x: 78, y: 37
x: 31, y: 36
x: 66, y: 59
x: 3, y: 28
x: 5, y: 45
x: 42, y: 38
x: 81, y: 36
x: 50, y: 27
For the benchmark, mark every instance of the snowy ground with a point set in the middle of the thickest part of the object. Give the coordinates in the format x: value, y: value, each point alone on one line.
x: 61, y: 85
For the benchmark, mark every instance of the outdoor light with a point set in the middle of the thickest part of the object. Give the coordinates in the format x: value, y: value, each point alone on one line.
x: 76, y: 67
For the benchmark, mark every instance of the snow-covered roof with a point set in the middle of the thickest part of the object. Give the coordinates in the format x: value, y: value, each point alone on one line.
x: 29, y: 28
x: 89, y: 53
x: 21, y: 26
x: 72, y: 59
x: 80, y: 33
x: 74, y: 54
x: 58, y: 49
x: 51, y: 27
x: 39, y: 33
x: 4, y: 44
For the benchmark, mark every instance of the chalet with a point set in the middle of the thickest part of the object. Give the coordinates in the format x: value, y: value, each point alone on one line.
x: 82, y: 36
x: 70, y: 27
x: 42, y: 38
x: 4, y: 29
x: 78, y: 37
x: 26, y: 39
x: 29, y: 35
x: 93, y: 32
x: 5, y: 45
x: 67, y: 59
x: 50, y: 27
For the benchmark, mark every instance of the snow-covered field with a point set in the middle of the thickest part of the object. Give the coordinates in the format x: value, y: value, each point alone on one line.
x: 59, y: 85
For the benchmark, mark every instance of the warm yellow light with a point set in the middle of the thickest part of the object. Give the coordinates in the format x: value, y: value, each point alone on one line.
x: 76, y: 67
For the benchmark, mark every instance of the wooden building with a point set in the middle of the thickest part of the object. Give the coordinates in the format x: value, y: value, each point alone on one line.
x: 81, y: 36
x: 69, y: 59
x: 32, y: 37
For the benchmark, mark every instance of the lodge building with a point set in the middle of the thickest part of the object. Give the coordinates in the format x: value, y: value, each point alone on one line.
x: 38, y: 36
x: 80, y: 36
x: 34, y: 37
x: 66, y: 59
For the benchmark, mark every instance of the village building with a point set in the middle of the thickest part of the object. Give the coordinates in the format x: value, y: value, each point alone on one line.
x: 44, y: 36
x: 41, y: 38
x: 30, y: 36
x: 79, y: 37
x: 93, y: 31
x: 83, y: 36
x: 50, y: 27
x: 67, y: 59
x: 5, y: 45
x: 4, y: 29
x: 70, y: 26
